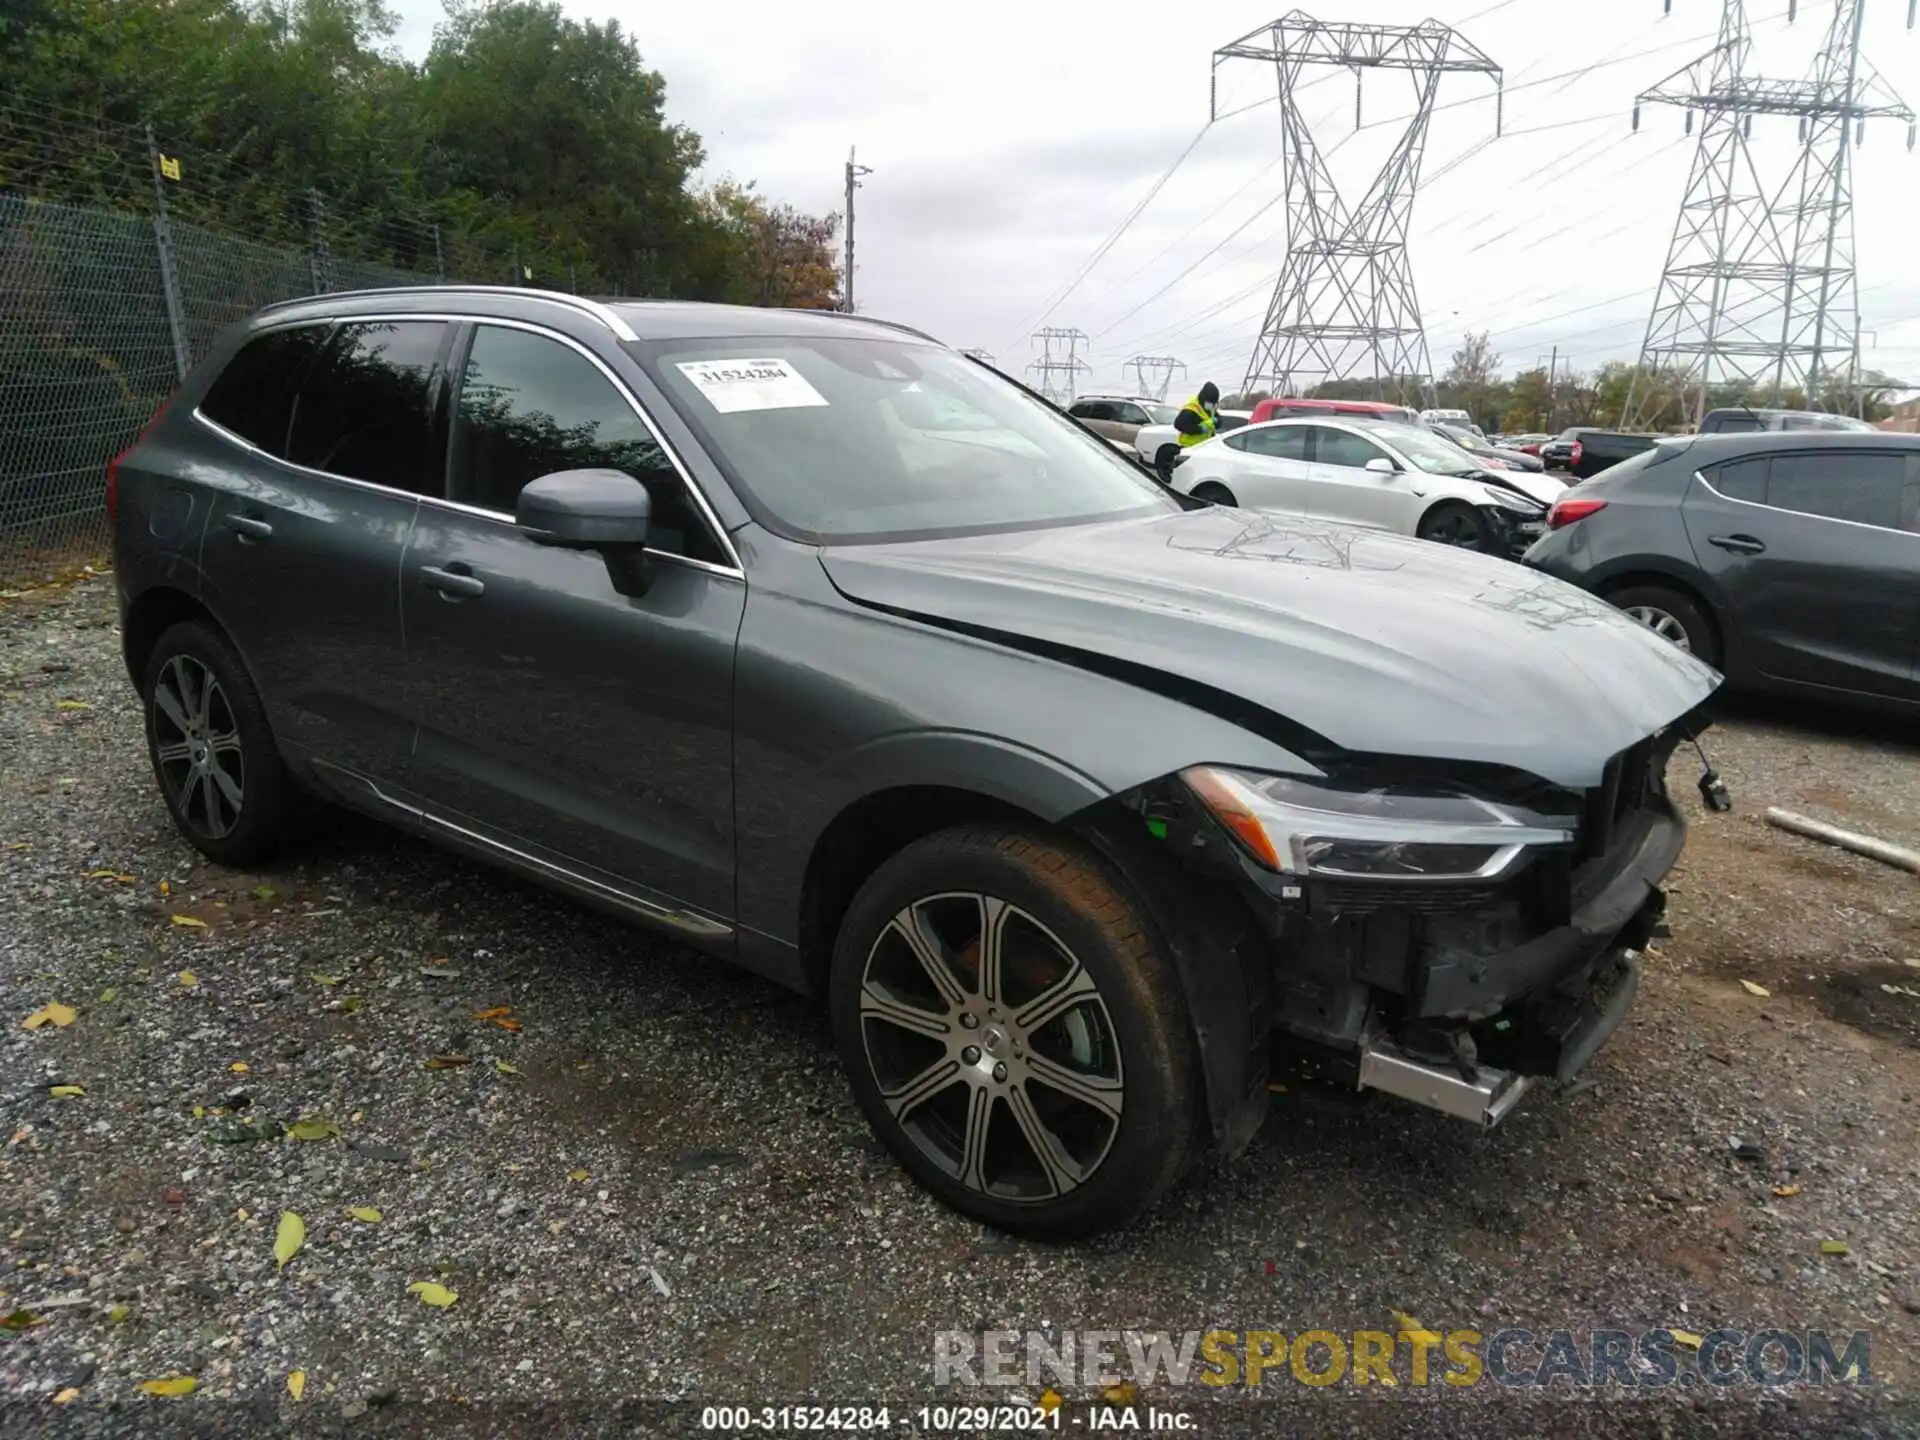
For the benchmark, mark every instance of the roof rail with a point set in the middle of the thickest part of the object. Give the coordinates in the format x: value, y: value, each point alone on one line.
x: 605, y: 314
x: 863, y: 319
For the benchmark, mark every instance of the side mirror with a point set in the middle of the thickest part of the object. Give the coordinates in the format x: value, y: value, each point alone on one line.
x: 604, y: 510
x: 1380, y: 465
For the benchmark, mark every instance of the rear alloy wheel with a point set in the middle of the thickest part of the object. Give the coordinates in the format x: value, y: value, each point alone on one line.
x: 1673, y: 616
x: 1013, y: 1034
x: 1215, y: 494
x: 212, y: 750
x: 1456, y: 523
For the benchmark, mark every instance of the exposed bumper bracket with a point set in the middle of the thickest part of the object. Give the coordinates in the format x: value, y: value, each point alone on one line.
x: 1484, y: 1101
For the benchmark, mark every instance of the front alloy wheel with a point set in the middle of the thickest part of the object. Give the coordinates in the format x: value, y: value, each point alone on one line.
x: 1013, y: 1033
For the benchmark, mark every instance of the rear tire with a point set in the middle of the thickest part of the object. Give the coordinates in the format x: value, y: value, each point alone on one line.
x: 1215, y: 494
x: 1456, y: 523
x: 212, y: 750
x: 1050, y: 1091
x: 1674, y: 616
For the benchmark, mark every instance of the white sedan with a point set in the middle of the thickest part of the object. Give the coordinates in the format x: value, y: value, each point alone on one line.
x: 1380, y: 475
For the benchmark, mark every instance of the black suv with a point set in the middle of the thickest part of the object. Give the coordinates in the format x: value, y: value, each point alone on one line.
x: 842, y: 657
x: 1788, y: 559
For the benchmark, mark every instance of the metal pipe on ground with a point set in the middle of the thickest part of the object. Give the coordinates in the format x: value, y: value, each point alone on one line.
x: 1898, y: 856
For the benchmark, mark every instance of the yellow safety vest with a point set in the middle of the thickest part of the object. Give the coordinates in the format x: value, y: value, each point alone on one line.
x: 1206, y: 424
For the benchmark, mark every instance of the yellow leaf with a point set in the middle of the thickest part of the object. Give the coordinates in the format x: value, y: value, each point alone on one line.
x: 166, y: 887
x: 296, y: 1383
x: 126, y: 879
x: 172, y: 1385
x: 64, y: 1092
x: 313, y: 1128
x: 241, y: 1214
x: 494, y: 1014
x: 365, y: 1213
x: 71, y: 705
x: 240, y: 1067
x: 191, y: 922
x: 1786, y: 1192
x: 507, y: 1024
x: 506, y: 1067
x: 1405, y: 1321
x: 117, y: 1315
x: 1686, y: 1338
x: 1753, y: 989
x: 103, y: 874
x: 324, y: 979
x: 446, y: 1062
x: 109, y: 995
x: 289, y: 1238
x: 53, y: 1014
x: 579, y: 1176
x: 1049, y: 1401
x: 432, y: 1294
x: 67, y: 1396
x: 188, y: 979
x: 266, y: 892
x: 1121, y: 1394
x: 1833, y: 1247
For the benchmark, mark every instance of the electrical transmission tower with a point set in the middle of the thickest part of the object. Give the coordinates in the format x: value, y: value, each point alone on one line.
x: 1759, y: 289
x: 1161, y: 367
x: 1059, y: 368
x: 1344, y: 307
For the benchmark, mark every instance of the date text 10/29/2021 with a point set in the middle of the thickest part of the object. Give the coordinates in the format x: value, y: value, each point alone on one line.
x: 942, y: 1419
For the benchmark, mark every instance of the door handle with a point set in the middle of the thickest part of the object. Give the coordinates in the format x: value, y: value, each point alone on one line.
x: 249, y: 528
x: 454, y: 584
x: 1739, y: 544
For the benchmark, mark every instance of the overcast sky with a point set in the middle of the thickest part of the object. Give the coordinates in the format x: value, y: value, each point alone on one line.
x: 1008, y: 141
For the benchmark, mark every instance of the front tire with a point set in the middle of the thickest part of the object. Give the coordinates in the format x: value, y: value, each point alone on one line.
x: 1014, y: 1033
x: 1455, y: 523
x: 212, y: 751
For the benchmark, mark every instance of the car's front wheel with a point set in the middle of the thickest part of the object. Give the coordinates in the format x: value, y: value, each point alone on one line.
x: 1014, y: 1032
x: 1454, y: 522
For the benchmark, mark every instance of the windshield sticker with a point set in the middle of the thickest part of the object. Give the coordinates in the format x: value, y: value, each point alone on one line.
x: 735, y: 385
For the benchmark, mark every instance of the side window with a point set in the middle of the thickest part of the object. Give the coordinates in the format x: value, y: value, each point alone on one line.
x: 253, y: 396
x: 366, y: 410
x: 1861, y: 487
x: 1742, y: 480
x: 1130, y: 415
x: 1289, y: 442
x: 1340, y: 447
x: 530, y: 406
x: 1093, y: 410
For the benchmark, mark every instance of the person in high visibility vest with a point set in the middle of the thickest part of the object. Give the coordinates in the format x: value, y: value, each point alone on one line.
x: 1196, y: 420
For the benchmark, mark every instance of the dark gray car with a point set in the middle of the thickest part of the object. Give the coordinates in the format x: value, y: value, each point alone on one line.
x: 843, y: 658
x: 1788, y: 559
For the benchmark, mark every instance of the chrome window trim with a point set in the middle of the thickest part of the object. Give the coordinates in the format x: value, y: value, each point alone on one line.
x: 605, y: 314
x: 736, y: 570
x: 1701, y: 476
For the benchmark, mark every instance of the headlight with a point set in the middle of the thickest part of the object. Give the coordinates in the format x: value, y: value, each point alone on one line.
x: 1388, y: 832
x: 1507, y: 500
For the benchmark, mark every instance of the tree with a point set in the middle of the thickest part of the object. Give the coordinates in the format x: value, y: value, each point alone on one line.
x: 781, y: 257
x: 1529, y: 402
x: 1474, y: 366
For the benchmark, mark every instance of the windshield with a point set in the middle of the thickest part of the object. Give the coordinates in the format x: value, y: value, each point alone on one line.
x: 1162, y: 413
x: 1426, y: 449
x: 838, y: 439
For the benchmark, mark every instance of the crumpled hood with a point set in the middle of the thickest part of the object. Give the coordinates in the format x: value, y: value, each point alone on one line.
x: 1376, y: 642
x: 1535, y: 483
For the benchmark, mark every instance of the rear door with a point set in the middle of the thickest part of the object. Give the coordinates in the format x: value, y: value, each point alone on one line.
x: 343, y: 426
x: 1344, y: 489
x: 1816, y: 554
x: 1100, y: 416
x: 558, y: 717
x: 1267, y: 469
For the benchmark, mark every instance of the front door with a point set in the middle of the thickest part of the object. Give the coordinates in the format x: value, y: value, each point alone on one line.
x: 557, y: 716
x: 302, y: 552
x: 1345, y: 490
x: 1816, y: 556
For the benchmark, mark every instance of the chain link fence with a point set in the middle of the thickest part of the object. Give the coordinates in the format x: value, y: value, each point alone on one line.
x: 121, y: 261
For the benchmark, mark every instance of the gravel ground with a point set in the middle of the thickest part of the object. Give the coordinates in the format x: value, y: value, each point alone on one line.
x: 656, y: 1187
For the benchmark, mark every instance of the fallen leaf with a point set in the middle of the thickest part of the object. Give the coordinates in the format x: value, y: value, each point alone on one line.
x: 191, y: 922
x: 1753, y: 989
x: 296, y: 1383
x: 118, y: 1315
x: 659, y: 1283
x: 166, y: 887
x: 432, y: 1294
x: 1833, y: 1247
x: 1049, y: 1401
x: 1686, y: 1338
x: 439, y: 972
x: 240, y: 1067
x: 52, y: 1014
x: 242, y: 1213
x: 1405, y: 1321
x: 1786, y: 1192
x: 288, y: 1239
x: 172, y: 1385
x: 71, y: 705
x: 325, y: 979
x: 1906, y: 990
x: 364, y: 1213
x: 496, y: 1013
x: 315, y: 1128
x: 103, y: 874
x: 447, y: 1062
x: 506, y: 1067
x: 579, y: 1176
x: 67, y: 1396
x: 1121, y: 1394
x: 21, y: 1320
x: 109, y: 995
x: 65, y: 1092
x: 507, y: 1024
x: 188, y: 979
x: 267, y: 892
x: 126, y: 879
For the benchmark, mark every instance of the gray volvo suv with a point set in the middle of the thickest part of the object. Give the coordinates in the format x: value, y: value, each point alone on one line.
x: 843, y: 658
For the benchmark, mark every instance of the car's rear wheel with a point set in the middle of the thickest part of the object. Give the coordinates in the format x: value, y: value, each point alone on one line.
x: 212, y: 749
x: 1453, y: 522
x: 1214, y: 494
x: 1673, y: 616
x: 1014, y: 1032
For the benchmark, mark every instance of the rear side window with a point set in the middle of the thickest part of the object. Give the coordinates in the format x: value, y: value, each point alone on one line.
x: 253, y: 396
x: 1742, y: 480
x: 366, y: 411
x: 1286, y: 443
x: 1862, y: 487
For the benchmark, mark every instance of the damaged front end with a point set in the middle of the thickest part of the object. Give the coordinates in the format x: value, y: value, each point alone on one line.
x: 1446, y: 933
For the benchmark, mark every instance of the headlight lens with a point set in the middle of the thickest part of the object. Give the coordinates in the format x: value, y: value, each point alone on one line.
x: 1386, y: 832
x: 1507, y: 500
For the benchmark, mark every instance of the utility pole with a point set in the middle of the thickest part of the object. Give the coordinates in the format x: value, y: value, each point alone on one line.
x: 1059, y: 367
x: 854, y: 172
x: 1553, y: 388
x: 1759, y: 283
x: 1344, y: 305
x: 1162, y: 367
